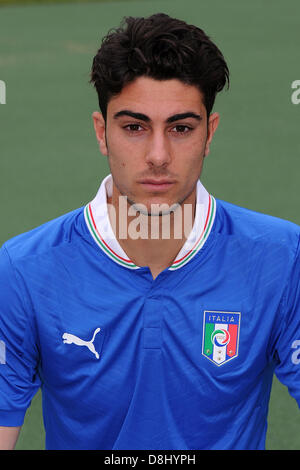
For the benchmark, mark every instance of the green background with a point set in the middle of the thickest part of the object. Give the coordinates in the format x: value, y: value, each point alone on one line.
x: 49, y: 158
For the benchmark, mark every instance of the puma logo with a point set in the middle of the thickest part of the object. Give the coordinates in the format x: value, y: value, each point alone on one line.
x: 69, y: 339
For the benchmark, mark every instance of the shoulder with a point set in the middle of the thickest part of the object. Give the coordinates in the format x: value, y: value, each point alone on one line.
x: 256, y: 226
x: 43, y: 239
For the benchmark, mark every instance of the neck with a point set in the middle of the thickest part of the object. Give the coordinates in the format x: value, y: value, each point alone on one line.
x: 151, y: 240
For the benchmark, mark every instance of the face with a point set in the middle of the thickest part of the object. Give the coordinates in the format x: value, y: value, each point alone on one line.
x: 156, y: 137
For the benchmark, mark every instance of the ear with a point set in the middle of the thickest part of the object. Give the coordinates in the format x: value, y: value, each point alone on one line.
x: 213, y: 123
x: 99, y: 126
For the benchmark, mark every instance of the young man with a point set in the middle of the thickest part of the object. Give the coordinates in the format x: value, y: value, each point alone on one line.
x: 142, y: 340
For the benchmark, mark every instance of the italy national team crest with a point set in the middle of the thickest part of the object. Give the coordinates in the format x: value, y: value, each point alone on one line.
x: 221, y: 331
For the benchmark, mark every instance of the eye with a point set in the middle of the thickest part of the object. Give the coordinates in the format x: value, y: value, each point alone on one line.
x: 133, y: 127
x: 181, y: 129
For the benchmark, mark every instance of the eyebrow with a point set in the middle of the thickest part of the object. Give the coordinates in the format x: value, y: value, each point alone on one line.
x: 189, y: 114
x: 145, y: 118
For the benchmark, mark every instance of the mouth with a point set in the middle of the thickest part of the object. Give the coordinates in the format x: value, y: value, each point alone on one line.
x: 156, y: 185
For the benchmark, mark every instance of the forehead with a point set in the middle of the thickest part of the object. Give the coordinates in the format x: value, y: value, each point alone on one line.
x: 157, y: 98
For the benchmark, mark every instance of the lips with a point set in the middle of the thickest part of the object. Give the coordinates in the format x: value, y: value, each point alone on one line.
x: 152, y: 184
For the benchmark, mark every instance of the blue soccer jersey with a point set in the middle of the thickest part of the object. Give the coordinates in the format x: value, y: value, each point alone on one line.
x: 125, y: 361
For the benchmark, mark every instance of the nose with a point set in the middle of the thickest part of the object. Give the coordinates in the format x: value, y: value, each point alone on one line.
x: 158, y: 151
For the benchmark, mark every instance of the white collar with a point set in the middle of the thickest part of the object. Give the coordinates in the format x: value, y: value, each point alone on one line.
x: 98, y: 223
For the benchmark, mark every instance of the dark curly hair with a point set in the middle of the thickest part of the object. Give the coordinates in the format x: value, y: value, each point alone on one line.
x: 162, y: 48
